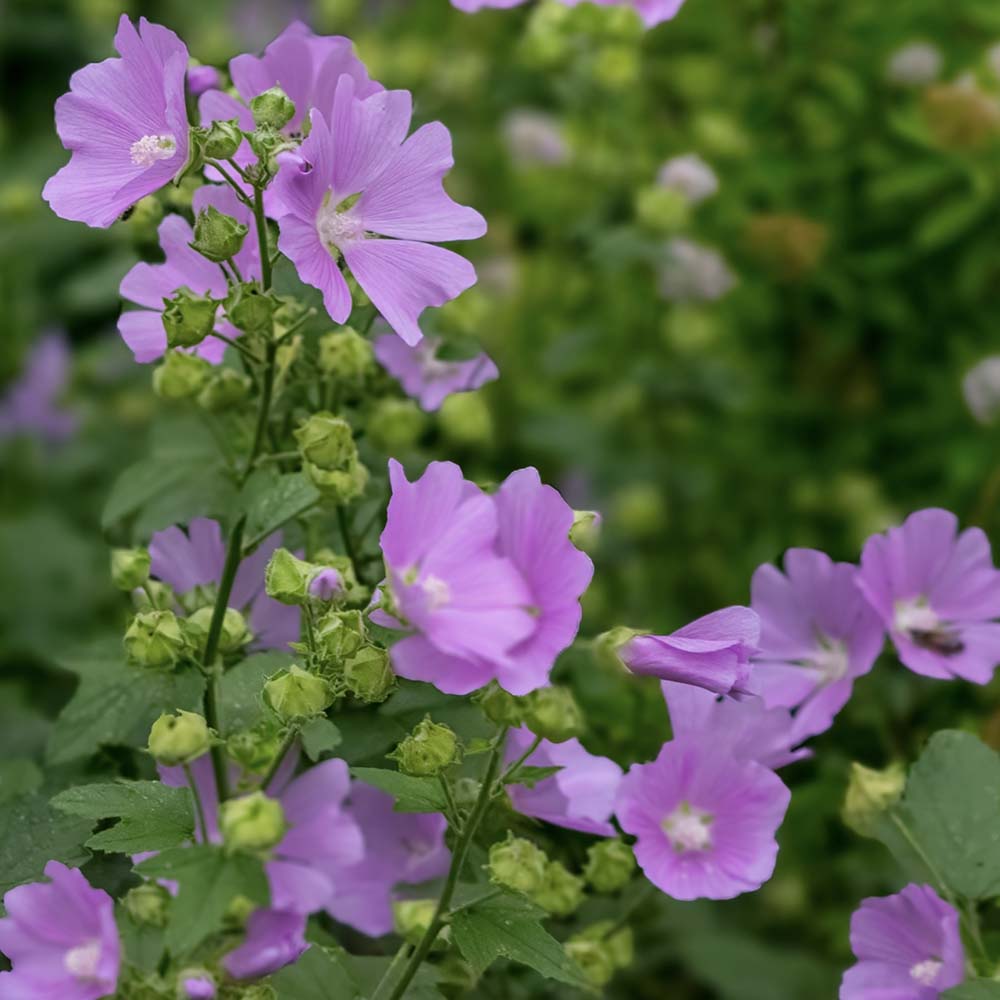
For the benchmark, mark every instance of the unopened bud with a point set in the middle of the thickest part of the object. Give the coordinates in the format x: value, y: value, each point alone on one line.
x: 586, y: 530
x: 350, y: 590
x: 339, y: 486
x: 225, y: 387
x: 518, y: 864
x: 870, y: 795
x: 196, y: 984
x: 593, y: 958
x: 155, y: 639
x: 662, y: 210
x: 179, y: 739
x: 154, y: 596
x: 340, y: 634
x: 253, y: 822
x: 234, y: 633
x: 272, y: 109
x: 553, y: 714
x: 129, y: 568
x: 222, y: 139
x: 327, y: 442
x: 297, y: 694
x: 368, y: 675
x: 147, y: 904
x: 429, y: 750
x: 610, y: 865
x: 218, y: 236
x: 465, y: 419
x: 180, y: 376
x: 287, y: 578
x: 499, y: 706
x: 561, y: 892
x: 395, y: 425
x: 188, y: 318
x: 326, y: 584
x: 346, y: 355
x: 412, y: 917
x: 255, y: 749
x: 250, y: 308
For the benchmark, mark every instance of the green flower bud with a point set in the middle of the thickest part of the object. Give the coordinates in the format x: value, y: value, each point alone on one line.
x: 870, y: 795
x: 297, y: 694
x: 586, y: 530
x: 412, y: 917
x: 465, y: 420
x: 154, y: 596
x: 327, y: 442
x: 129, y: 568
x: 253, y: 822
x: 250, y: 308
x: 346, y: 355
x: 218, y: 236
x: 233, y: 636
x: 286, y: 578
x: 619, y: 944
x: 340, y: 486
x: 518, y: 864
x: 180, y: 376
x: 395, y: 425
x: 255, y: 749
x: 553, y: 714
x: 639, y: 510
x: 188, y: 318
x: 222, y: 139
x: 593, y: 958
x: 368, y: 675
x: 663, y: 210
x: 340, y: 635
x: 179, y: 739
x: 226, y: 387
x: 610, y: 865
x: 561, y: 892
x: 272, y: 109
x: 147, y: 904
x: 500, y: 707
x: 352, y: 590
x: 429, y: 750
x: 155, y: 639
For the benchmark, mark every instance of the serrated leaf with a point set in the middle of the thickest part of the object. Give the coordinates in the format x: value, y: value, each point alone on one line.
x: 318, y: 975
x: 271, y: 500
x: 240, y: 690
x: 319, y: 737
x: 411, y: 794
x: 153, y: 816
x: 208, y: 880
x: 530, y: 775
x: 506, y: 927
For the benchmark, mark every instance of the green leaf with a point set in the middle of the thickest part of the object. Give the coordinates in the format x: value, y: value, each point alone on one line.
x: 947, y: 223
x: 271, y: 500
x: 318, y: 975
x: 978, y: 989
x: 153, y: 816
x: 420, y: 795
x: 32, y: 833
x: 115, y: 704
x: 208, y: 880
x: 18, y: 776
x: 507, y: 927
x: 240, y: 691
x: 528, y: 774
x: 369, y: 971
x: 952, y: 808
x: 319, y: 737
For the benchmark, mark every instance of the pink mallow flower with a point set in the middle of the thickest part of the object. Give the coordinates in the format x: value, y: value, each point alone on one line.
x: 907, y: 945
x: 125, y: 124
x: 489, y: 584
x: 580, y: 796
x: 61, y: 939
x: 427, y: 378
x: 652, y: 12
x: 273, y: 939
x: 937, y: 593
x: 29, y: 406
x: 817, y: 635
x: 712, y: 652
x: 195, y: 559
x: 357, y: 177
x: 705, y: 820
x: 147, y: 285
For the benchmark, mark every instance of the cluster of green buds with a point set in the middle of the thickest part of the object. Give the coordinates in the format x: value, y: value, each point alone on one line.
x: 256, y: 747
x: 157, y: 640
x: 429, y: 750
x: 296, y: 695
x: 346, y: 357
x: 610, y: 865
x: 130, y: 568
x: 549, y: 712
x: 180, y: 376
x: 147, y: 904
x: 295, y: 581
x: 413, y: 917
x: 233, y: 636
x: 601, y: 950
x: 523, y: 867
x: 330, y: 457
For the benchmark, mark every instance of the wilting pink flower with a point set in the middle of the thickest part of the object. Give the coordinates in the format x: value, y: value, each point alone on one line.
x: 580, y: 796
x: 705, y: 820
x: 907, y: 945
x: 817, y: 634
x: 61, y: 939
x: 125, y: 123
x: 712, y: 652
x: 426, y: 377
x: 937, y: 593
x: 147, y: 285
x: 354, y: 178
x: 399, y: 849
x: 652, y: 12
x: 195, y: 559
x: 274, y: 939
x: 29, y: 406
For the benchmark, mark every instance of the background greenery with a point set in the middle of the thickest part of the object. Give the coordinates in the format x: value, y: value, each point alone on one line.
x: 820, y: 400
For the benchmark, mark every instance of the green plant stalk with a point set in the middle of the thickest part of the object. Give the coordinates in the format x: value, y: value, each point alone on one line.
x: 286, y: 745
x: 198, y: 806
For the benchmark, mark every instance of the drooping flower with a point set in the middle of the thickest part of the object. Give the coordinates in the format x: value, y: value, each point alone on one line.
x: 937, y: 593
x: 690, y: 175
x: 705, y: 820
x: 357, y: 176
x: 580, y: 796
x: 194, y: 559
x: 399, y: 849
x: 61, y: 939
x: 907, y: 945
x: 427, y: 378
x: 29, y: 406
x: 981, y: 389
x: 817, y: 635
x: 125, y: 124
x: 712, y: 652
x: 652, y: 12
x: 694, y: 273
x: 273, y: 939
x: 147, y: 285
x: 534, y: 138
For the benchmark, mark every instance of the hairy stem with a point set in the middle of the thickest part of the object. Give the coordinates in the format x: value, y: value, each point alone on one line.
x: 198, y: 806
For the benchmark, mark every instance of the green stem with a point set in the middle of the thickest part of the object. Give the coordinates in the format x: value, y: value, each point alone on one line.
x: 286, y: 745
x: 245, y: 351
x: 232, y: 182
x: 198, y: 807
x: 261, y: 224
x: 263, y: 413
x: 345, y: 533
x: 449, y: 796
x: 646, y: 892
x: 535, y: 744
x: 458, y: 859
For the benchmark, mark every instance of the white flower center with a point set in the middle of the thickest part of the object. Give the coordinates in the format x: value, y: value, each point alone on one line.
x: 831, y: 660
x: 926, y: 972
x: 82, y: 961
x: 336, y: 224
x: 688, y: 829
x: 151, y: 149
x: 437, y: 591
x: 915, y: 615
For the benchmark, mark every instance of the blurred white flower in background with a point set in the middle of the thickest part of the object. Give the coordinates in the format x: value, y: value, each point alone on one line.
x: 981, y: 389
x: 690, y: 175
x: 914, y: 65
